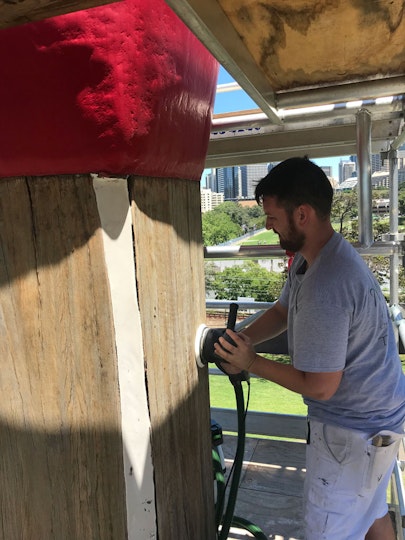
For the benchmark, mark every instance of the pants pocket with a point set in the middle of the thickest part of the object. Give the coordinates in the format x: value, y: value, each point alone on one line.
x: 348, y: 452
x: 337, y: 443
x: 381, y: 458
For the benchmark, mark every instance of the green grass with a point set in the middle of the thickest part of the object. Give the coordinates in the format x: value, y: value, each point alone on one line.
x: 264, y: 237
x: 265, y: 396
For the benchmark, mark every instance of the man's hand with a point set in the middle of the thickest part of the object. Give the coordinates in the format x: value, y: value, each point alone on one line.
x: 240, y: 355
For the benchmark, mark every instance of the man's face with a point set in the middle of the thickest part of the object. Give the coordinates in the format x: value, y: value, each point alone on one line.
x: 283, y: 224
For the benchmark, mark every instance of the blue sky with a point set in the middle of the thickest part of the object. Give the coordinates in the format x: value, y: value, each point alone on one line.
x: 239, y: 101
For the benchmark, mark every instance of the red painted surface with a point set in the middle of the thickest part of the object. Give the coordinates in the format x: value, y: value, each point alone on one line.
x: 119, y: 89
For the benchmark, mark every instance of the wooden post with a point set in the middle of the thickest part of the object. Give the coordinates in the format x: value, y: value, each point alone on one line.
x: 170, y: 281
x: 74, y: 340
x: 61, y: 455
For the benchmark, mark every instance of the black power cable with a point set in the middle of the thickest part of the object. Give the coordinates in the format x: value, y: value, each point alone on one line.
x: 228, y: 519
x: 205, y: 353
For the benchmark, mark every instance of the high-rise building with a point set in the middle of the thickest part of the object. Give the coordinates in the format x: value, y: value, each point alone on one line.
x: 250, y: 176
x: 228, y: 182
x: 210, y: 199
x: 380, y: 179
x: 347, y: 169
x: 377, y: 164
x: 211, y: 181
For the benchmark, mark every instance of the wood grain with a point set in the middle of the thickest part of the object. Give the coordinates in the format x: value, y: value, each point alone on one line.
x: 17, y: 12
x: 61, y: 471
x: 170, y: 280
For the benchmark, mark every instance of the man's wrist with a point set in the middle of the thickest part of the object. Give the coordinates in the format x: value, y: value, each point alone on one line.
x: 251, y: 362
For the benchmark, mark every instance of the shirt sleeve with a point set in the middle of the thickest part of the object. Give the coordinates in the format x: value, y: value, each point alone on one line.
x: 320, y: 338
x: 285, y: 292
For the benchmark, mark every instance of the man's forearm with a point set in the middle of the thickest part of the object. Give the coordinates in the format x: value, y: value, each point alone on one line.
x: 319, y: 386
x: 269, y: 325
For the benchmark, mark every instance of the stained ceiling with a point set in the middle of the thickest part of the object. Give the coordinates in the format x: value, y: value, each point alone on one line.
x: 304, y: 62
x: 16, y: 12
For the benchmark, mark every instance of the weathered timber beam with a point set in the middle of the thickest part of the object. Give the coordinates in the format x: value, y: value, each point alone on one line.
x: 61, y: 446
x: 15, y: 13
x: 170, y: 284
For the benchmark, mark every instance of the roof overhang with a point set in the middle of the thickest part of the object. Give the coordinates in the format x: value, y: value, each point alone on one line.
x: 288, y: 56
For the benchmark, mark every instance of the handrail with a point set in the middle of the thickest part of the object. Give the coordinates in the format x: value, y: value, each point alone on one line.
x: 288, y: 426
x: 271, y: 251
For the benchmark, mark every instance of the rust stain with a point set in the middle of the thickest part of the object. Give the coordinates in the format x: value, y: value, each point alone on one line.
x: 378, y: 12
x: 297, y: 19
x: 307, y: 43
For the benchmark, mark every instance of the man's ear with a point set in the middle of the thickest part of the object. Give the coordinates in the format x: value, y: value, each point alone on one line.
x: 303, y: 212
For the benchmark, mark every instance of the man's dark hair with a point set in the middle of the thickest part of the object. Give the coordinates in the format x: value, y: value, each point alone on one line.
x: 297, y: 181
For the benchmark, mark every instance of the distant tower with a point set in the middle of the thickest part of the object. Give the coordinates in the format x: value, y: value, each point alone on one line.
x: 209, y: 200
x: 346, y: 170
x: 251, y: 174
x: 377, y: 164
x: 211, y: 181
x: 354, y: 159
x: 228, y: 180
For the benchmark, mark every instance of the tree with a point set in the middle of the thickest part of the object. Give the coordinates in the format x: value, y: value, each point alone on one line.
x: 380, y: 193
x: 218, y: 227
x: 254, y: 217
x: 248, y: 280
x: 381, y: 226
x: 232, y: 209
x: 210, y: 271
x: 401, y: 198
x: 254, y: 212
x: 344, y: 208
x: 380, y: 266
x: 401, y: 279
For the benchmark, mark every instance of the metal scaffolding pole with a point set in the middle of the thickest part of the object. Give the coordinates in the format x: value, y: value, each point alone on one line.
x: 363, y: 135
x: 394, y: 235
x: 394, y: 258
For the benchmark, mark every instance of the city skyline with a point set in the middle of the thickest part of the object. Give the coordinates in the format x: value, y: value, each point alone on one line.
x: 238, y: 100
x: 322, y: 162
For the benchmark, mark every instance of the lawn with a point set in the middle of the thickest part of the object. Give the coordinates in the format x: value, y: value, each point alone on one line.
x: 265, y: 396
x: 264, y: 237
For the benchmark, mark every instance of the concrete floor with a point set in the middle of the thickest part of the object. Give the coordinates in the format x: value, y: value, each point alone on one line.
x: 271, y: 486
x: 270, y: 492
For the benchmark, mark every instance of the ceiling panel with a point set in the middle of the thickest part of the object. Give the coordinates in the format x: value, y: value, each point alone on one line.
x: 306, y: 43
x: 290, y: 54
x: 16, y: 12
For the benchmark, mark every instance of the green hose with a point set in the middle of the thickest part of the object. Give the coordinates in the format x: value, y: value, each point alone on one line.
x: 242, y: 523
x: 220, y: 483
x: 238, y: 462
x: 229, y: 518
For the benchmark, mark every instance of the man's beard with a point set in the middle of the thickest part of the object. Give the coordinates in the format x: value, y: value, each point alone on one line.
x: 295, y: 240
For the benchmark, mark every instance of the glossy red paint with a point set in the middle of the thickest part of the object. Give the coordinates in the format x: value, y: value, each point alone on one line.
x: 119, y: 89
